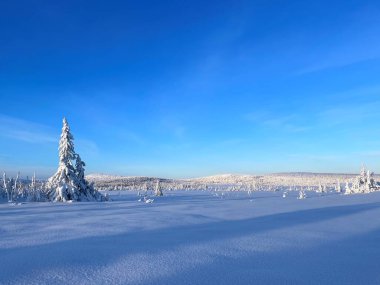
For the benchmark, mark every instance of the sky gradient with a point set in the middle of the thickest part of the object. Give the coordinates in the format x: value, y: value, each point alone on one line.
x: 191, y: 88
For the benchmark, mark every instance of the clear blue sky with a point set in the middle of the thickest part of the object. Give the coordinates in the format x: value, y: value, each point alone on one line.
x: 191, y: 88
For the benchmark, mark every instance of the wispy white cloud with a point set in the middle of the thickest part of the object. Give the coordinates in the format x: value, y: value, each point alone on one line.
x: 370, y: 153
x: 350, y: 113
x: 288, y: 123
x: 26, y: 131
x: 232, y: 142
x: 322, y: 157
x: 362, y: 93
x: 355, y: 42
x: 4, y: 157
x: 86, y: 147
x: 131, y: 137
x: 330, y: 63
x: 173, y: 126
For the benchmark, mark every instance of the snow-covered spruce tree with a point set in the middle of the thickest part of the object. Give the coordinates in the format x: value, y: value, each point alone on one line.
x: 347, y: 189
x: 68, y: 183
x: 7, y: 186
x: 2, y: 192
x: 87, y: 188
x: 35, y: 191
x: 10, y: 187
x: 249, y: 192
x: 338, y: 187
x: 158, y: 189
x: 320, y: 188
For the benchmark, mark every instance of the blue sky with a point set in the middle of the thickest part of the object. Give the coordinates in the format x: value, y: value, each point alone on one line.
x: 191, y: 88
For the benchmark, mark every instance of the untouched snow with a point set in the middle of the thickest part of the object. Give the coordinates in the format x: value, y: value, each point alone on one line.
x: 194, y: 237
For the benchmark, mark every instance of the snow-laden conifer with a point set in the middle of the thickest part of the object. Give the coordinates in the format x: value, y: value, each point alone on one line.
x: 347, y: 189
x: 158, y: 189
x: 3, y: 193
x: 34, y: 191
x: 69, y: 183
x: 338, y: 187
x: 10, y: 186
x: 320, y: 188
x: 88, y: 191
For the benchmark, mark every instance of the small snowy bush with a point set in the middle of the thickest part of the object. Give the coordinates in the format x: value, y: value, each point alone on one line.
x: 301, y: 194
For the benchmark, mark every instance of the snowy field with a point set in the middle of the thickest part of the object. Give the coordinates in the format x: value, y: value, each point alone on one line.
x: 194, y: 237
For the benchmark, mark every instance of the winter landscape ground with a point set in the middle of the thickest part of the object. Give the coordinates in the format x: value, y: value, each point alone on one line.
x: 194, y: 237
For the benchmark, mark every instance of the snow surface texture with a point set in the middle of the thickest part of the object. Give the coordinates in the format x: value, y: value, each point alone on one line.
x: 194, y: 237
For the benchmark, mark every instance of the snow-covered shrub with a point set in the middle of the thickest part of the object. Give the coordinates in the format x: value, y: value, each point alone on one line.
x: 301, y: 194
x: 69, y: 183
x: 148, y: 201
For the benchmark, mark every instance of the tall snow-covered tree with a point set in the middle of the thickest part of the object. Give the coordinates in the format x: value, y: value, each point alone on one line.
x: 10, y: 187
x: 338, y: 187
x: 34, y: 192
x: 158, y: 189
x: 7, y: 186
x: 61, y: 186
x: 37, y: 191
x: 320, y: 188
x: 347, y: 189
x: 2, y: 190
x: 69, y: 183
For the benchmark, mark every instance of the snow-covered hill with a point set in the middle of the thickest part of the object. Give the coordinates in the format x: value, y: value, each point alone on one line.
x: 235, y: 181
